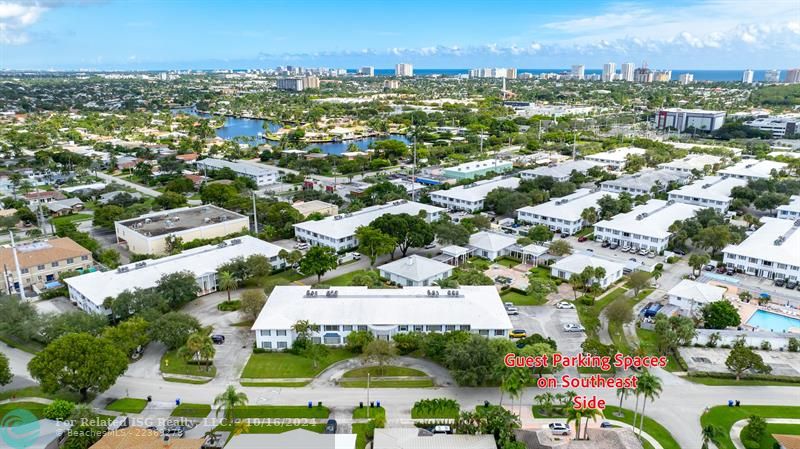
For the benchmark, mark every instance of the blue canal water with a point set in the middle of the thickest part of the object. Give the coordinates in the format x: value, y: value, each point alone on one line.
x: 772, y: 321
x: 254, y: 128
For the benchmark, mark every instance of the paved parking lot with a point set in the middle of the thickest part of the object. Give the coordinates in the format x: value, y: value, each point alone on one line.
x: 547, y: 320
x: 713, y: 360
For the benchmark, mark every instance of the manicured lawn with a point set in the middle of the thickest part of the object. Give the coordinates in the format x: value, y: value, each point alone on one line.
x: 587, y: 231
x: 36, y: 392
x: 70, y: 219
x: 192, y: 410
x: 388, y: 371
x: 507, y: 262
x: 32, y: 407
x: 283, y: 365
x: 274, y: 384
x: 723, y: 417
x: 651, y: 427
x: 717, y: 382
x: 374, y: 412
x: 343, y: 280
x: 589, y: 315
x: 127, y: 405
x: 281, y: 411
x: 519, y: 299
x: 285, y: 277
x: 231, y: 306
x: 361, y: 429
x: 437, y: 413
x: 171, y: 363
x: 540, y: 272
x: 422, y: 383
x: 25, y: 345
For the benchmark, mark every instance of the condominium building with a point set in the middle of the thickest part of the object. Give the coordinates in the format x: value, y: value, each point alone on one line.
x: 793, y: 76
x: 626, y: 72
x: 646, y: 182
x: 298, y: 84
x: 710, y: 191
x: 563, y: 214
x: 693, y: 162
x: 89, y: 291
x: 662, y: 76
x: 470, y: 197
x: 41, y: 263
x: 415, y: 271
x: 686, y: 78
x: 747, y: 76
x: 472, y: 169
x: 752, y: 169
x: 561, y: 172
x: 383, y: 312
x: 261, y: 175
x: 403, y: 70
x: 681, y: 119
x: 577, y: 71
x: 338, y: 232
x: 367, y: 71
x: 772, y: 76
x: 790, y: 211
x: 769, y: 252
x: 391, y: 84
x: 576, y: 263
x: 779, y: 126
x: 148, y: 234
x: 616, y: 158
x: 646, y: 226
x: 643, y: 75
x: 609, y: 71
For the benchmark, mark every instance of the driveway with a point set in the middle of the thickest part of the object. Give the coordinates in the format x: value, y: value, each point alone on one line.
x: 547, y: 320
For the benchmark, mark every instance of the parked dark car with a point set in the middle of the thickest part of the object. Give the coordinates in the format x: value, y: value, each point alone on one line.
x: 218, y: 339
x: 614, y: 246
x: 582, y: 238
x: 605, y: 244
x: 605, y: 425
x: 174, y: 431
x: 679, y: 252
x: 730, y: 271
x: 330, y: 427
x: 780, y: 282
x: 721, y: 270
x: 791, y: 284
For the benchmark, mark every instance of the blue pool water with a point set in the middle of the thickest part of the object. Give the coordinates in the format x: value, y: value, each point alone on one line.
x: 772, y: 321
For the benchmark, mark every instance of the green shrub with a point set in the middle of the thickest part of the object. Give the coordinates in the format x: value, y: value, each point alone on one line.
x: 794, y: 345
x: 59, y: 410
x: 229, y: 306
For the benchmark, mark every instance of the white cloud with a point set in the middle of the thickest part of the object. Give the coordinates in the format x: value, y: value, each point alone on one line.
x: 15, y: 17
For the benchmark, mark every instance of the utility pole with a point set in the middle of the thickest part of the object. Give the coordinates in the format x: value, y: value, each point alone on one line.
x: 16, y: 263
x: 255, y: 213
x: 368, y: 405
x: 414, y: 169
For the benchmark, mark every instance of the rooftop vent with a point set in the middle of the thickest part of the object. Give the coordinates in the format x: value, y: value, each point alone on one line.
x: 140, y: 265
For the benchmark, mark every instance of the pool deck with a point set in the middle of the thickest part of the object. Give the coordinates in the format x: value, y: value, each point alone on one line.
x: 747, y: 310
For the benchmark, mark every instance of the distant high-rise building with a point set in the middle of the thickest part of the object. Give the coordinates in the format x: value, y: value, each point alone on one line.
x: 626, y: 72
x: 293, y: 84
x: 391, y: 84
x: 367, y: 71
x: 498, y: 72
x: 511, y: 73
x: 747, y: 76
x: 686, y: 78
x: 403, y: 69
x: 662, y: 76
x: 609, y: 69
x: 772, y: 76
x: 793, y: 76
x: 643, y: 75
x: 310, y: 82
x: 578, y: 71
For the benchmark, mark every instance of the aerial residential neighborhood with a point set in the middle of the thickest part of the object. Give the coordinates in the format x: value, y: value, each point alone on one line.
x: 256, y: 225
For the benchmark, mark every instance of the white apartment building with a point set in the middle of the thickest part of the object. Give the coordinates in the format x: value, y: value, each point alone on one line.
x: 469, y: 170
x: 383, y: 312
x: 616, y: 158
x: 577, y: 71
x: 772, y: 76
x: 780, y: 126
x: 710, y: 191
x: 338, y: 232
x: 367, y: 71
x: 681, y: 119
x: 770, y: 252
x: 415, y: 271
x: 492, y: 245
x: 691, y: 296
x: 747, y: 76
x: 470, y: 197
x: 626, y: 71
x: 646, y: 226
x: 576, y: 263
x: 790, y: 211
x: 403, y: 70
x: 697, y: 161
x: 646, y: 182
x: 89, y: 291
x: 560, y: 172
x: 609, y: 71
x: 563, y: 214
x: 752, y: 169
x: 686, y: 78
x: 147, y: 234
x: 261, y: 175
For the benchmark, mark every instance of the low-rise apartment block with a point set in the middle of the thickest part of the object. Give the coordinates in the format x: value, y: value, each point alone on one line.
x: 472, y: 169
x: 790, y: 211
x: 753, y: 169
x: 709, y: 191
x: 41, y: 263
x: 694, y: 162
x: 576, y: 263
x: 415, y: 271
x: 470, y: 197
x: 770, y: 252
x: 646, y: 182
x: 563, y: 214
x: 261, y: 175
x: 646, y: 226
x: 560, y: 172
x: 616, y: 158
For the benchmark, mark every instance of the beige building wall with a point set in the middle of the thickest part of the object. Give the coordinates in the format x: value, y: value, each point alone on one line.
x: 157, y: 245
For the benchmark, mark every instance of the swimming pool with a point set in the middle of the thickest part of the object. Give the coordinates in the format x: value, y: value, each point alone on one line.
x: 769, y: 321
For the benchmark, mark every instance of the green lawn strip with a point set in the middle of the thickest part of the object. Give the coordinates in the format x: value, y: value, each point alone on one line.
x: 518, y: 299
x: 364, y: 432
x: 422, y: 383
x: 374, y: 413
x: 587, y: 231
x: 343, y: 280
x: 232, y: 306
x: 767, y: 442
x: 178, y: 380
x: 615, y: 329
x: 274, y: 428
x: 274, y: 384
x: 281, y: 411
x: 179, y: 365
x: 723, y: 417
x: 722, y: 382
x: 283, y: 365
x: 507, y: 262
x: 36, y: 392
x: 439, y: 413
x: 648, y: 343
x: 387, y: 371
x: 651, y: 427
x: 589, y: 314
x: 127, y: 405
x: 285, y: 277
x: 33, y: 407
x: 29, y: 346
x: 70, y: 219
x: 540, y: 272
x: 192, y: 410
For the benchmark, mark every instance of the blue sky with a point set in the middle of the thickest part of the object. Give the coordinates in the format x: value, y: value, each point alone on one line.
x: 175, y: 34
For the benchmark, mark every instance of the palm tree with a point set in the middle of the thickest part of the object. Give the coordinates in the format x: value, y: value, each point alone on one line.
x: 711, y: 434
x: 622, y: 394
x: 226, y: 281
x: 589, y: 215
x: 599, y: 274
x: 650, y: 388
x: 575, y: 415
x: 545, y: 401
x: 228, y: 401
x: 592, y: 413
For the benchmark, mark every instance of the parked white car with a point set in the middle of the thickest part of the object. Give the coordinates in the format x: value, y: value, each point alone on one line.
x: 557, y: 428
x: 573, y: 327
x: 565, y: 305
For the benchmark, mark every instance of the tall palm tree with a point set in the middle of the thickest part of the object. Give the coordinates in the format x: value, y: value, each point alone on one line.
x: 575, y: 415
x: 622, y: 394
x: 650, y: 387
x: 592, y: 413
x: 228, y: 401
x: 226, y: 281
x: 711, y: 434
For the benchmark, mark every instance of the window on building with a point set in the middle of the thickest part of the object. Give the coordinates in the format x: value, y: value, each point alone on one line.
x: 435, y: 328
x: 266, y: 345
x: 347, y: 327
x: 282, y: 345
x: 402, y: 328
x: 265, y: 333
x: 418, y: 328
x: 280, y: 333
x: 70, y: 260
x: 450, y: 327
x: 499, y: 332
x: 331, y: 328
x: 40, y: 267
x: 54, y: 264
x: 484, y: 332
x: 362, y: 327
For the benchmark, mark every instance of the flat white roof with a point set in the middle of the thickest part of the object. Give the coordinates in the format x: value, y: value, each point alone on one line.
x: 695, y: 161
x: 751, y: 168
x: 761, y: 244
x: 293, y: 439
x: 793, y: 206
x: 347, y: 224
x: 238, y: 167
x: 477, y: 165
x: 99, y: 285
x: 692, y: 111
x: 563, y: 170
x: 416, y: 268
x: 652, y: 219
x: 491, y: 241
x: 711, y: 187
x: 478, y: 306
x: 696, y: 291
x: 645, y: 180
x: 568, y: 207
x: 617, y: 154
x: 477, y: 190
x: 575, y: 263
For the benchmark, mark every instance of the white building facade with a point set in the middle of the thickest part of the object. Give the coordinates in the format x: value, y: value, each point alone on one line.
x: 770, y: 252
x: 563, y: 214
x: 470, y: 197
x: 261, y: 175
x: 415, y: 271
x: 646, y: 226
x: 710, y: 191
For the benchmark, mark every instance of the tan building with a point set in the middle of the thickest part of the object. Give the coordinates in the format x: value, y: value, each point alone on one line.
x: 42, y: 262
x: 139, y: 438
x: 147, y: 234
x: 309, y: 207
